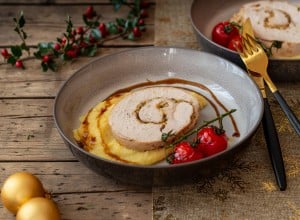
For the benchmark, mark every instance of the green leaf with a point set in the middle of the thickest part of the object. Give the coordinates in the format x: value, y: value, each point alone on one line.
x: 91, y: 51
x: 121, y: 22
x: 43, y: 45
x: 17, y: 30
x: 135, y: 22
x: 112, y: 28
x: 96, y: 34
x: 44, y: 66
x: 52, y: 66
x: 12, y: 60
x: 21, y: 20
x: 69, y: 25
x: 65, y: 57
x: 24, y: 47
x: 128, y: 25
x: 37, y: 54
x: 24, y: 34
x: 50, y: 45
x: 85, y: 20
x: 68, y: 47
x: 56, y: 53
x: 16, y: 51
x: 117, y: 4
x: 131, y: 36
x: 45, y: 48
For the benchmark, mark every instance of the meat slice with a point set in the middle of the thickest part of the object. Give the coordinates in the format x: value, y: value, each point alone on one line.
x: 274, y: 20
x: 140, y: 118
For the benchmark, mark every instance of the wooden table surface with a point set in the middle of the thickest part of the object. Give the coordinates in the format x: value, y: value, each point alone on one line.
x: 29, y: 141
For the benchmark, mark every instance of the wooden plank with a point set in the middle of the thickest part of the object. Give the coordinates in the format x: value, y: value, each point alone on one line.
x: 28, y: 132
x: 40, y: 2
x: 68, y: 177
x: 82, y: 194
x: 95, y: 206
x: 172, y: 24
x: 46, y: 23
x: 33, y: 82
x: 71, y: 2
x: 118, y: 205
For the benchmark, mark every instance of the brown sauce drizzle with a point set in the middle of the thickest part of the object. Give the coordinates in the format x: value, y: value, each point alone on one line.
x: 169, y: 81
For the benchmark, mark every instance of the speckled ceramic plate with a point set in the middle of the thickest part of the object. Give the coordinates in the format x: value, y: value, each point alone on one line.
x: 97, y: 80
x: 206, y: 14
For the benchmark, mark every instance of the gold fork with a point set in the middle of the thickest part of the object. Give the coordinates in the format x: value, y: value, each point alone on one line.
x: 257, y: 62
x: 269, y: 128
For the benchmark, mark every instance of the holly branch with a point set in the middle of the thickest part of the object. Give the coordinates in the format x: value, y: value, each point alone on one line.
x: 82, y: 40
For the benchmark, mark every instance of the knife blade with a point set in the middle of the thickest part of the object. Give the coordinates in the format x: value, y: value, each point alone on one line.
x: 269, y: 128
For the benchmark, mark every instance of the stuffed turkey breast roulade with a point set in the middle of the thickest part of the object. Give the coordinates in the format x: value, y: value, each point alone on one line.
x: 140, y: 118
x: 274, y: 20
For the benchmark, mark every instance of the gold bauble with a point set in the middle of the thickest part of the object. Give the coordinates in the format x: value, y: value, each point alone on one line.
x: 38, y: 208
x: 19, y: 188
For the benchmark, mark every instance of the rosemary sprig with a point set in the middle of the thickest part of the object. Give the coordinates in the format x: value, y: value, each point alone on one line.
x: 185, y: 136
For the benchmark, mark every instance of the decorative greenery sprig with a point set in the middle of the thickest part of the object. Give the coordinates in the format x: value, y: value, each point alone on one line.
x: 268, y: 50
x: 82, y: 40
x: 165, y: 136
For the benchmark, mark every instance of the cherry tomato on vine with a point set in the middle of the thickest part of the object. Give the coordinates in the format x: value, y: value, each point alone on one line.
x: 223, y: 32
x: 184, y: 152
x: 211, y: 140
x: 236, y: 41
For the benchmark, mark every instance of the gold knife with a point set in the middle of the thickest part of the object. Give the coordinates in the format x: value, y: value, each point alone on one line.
x: 270, y: 132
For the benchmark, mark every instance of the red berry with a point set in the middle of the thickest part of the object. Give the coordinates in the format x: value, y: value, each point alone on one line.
x: 5, y: 53
x: 102, y: 28
x: 80, y: 30
x: 56, y: 46
x: 89, y: 13
x: 141, y: 21
x: 137, y: 32
x: 63, y: 41
x: 74, y: 32
x: 184, y: 152
x: 72, y: 53
x: 120, y: 29
x: 46, y: 59
x: 83, y: 44
x: 143, y: 13
x: 19, y: 64
x: 211, y: 140
x: 92, y: 39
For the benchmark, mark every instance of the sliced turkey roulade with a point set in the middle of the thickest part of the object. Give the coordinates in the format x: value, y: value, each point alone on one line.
x: 140, y: 118
x: 274, y: 20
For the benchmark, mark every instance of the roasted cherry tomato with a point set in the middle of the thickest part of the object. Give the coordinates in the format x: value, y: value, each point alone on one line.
x: 211, y: 140
x: 184, y: 152
x: 236, y: 41
x: 223, y: 32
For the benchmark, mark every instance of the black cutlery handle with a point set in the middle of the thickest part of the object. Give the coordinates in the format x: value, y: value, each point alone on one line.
x: 273, y: 146
x: 289, y: 113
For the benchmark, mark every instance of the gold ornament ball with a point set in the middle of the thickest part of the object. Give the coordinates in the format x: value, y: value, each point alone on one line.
x: 38, y: 208
x: 19, y: 188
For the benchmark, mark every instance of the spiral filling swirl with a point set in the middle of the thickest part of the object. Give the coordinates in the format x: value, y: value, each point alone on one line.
x: 140, y: 118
